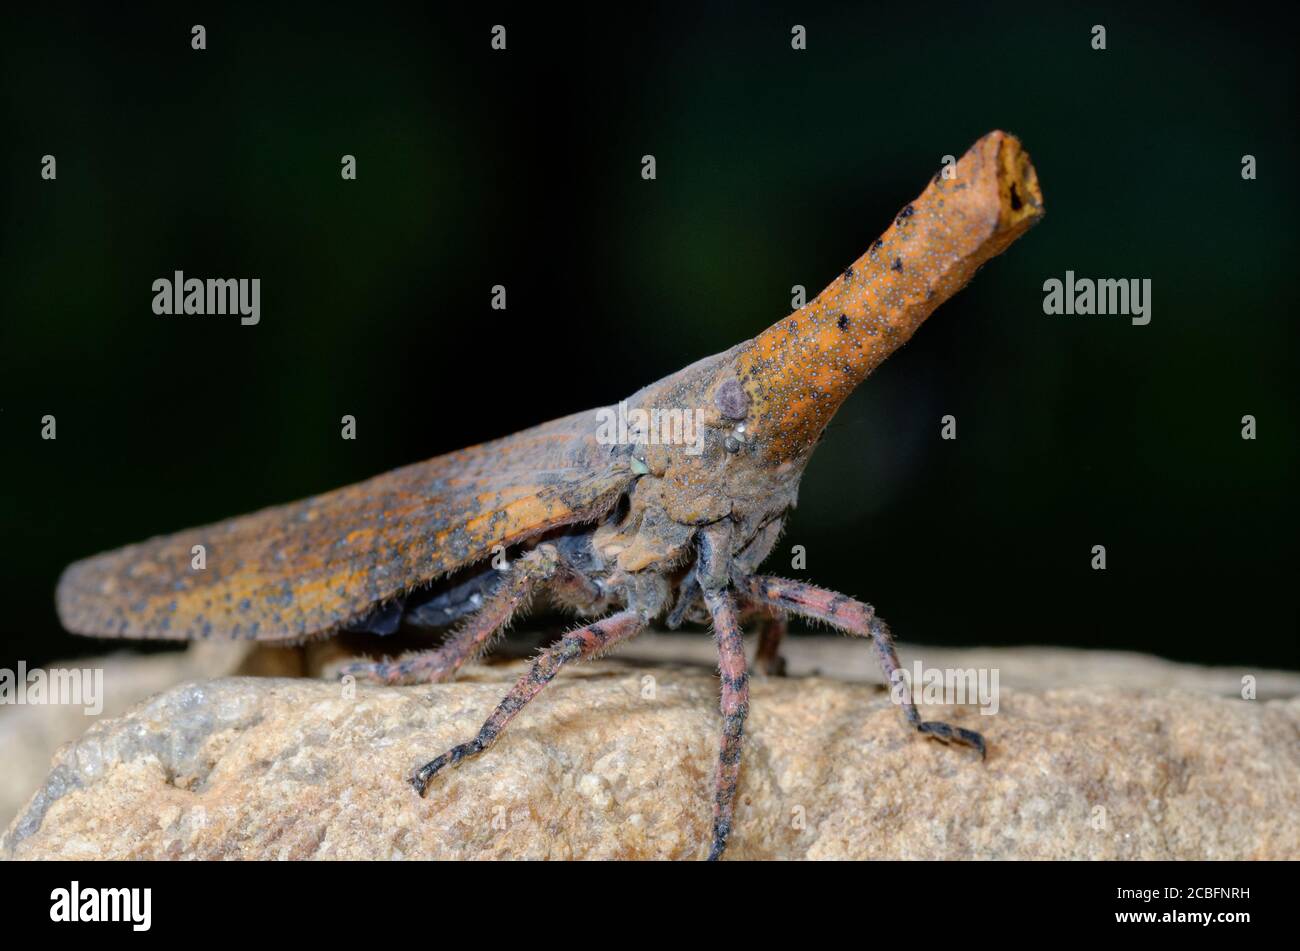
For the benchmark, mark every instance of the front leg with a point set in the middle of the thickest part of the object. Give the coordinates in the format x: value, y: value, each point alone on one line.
x: 852, y: 617
x: 715, y: 566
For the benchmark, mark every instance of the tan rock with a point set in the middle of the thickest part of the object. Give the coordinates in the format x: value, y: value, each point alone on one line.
x: 29, y: 735
x: 615, y: 761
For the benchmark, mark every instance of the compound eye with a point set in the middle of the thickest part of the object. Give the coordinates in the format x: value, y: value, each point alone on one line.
x: 731, y: 399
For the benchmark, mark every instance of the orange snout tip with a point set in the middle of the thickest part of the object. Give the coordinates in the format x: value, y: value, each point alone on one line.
x: 1020, y: 199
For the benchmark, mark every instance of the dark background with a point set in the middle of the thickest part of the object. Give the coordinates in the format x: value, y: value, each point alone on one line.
x: 775, y: 168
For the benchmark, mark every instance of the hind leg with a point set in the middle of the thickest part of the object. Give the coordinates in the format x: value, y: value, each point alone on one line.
x: 773, y: 625
x: 771, y: 632
x: 530, y: 571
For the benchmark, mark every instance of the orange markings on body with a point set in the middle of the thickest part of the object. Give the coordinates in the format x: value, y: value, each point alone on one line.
x: 795, y: 372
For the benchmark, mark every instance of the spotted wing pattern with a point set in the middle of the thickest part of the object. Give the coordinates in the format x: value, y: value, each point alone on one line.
x: 310, y: 567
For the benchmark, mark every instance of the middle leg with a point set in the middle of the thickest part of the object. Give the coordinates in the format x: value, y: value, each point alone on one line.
x: 581, y: 644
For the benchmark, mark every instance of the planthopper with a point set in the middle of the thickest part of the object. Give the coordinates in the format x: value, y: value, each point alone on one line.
x: 600, y: 513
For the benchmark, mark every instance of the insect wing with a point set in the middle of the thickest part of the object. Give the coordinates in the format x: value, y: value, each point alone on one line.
x: 313, y: 566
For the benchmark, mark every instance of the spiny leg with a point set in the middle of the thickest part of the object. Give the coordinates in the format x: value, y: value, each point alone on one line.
x: 441, y: 664
x: 859, y: 619
x: 579, y: 644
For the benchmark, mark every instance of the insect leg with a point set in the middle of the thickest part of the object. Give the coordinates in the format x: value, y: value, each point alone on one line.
x: 770, y: 635
x: 735, y: 708
x: 773, y: 626
x: 686, y: 595
x: 859, y: 619
x: 576, y: 645
x: 442, y: 663
x: 714, y: 574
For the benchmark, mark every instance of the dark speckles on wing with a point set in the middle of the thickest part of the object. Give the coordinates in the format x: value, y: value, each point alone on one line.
x: 313, y: 566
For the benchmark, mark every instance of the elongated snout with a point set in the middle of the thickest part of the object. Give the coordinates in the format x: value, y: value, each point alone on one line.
x: 798, y: 372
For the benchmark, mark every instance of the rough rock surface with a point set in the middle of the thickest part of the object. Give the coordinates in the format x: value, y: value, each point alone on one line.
x: 615, y: 761
x: 30, y: 735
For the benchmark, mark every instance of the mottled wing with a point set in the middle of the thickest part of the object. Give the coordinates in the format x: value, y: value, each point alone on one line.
x: 310, y: 567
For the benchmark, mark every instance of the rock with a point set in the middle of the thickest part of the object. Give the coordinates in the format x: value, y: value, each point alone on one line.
x: 615, y: 761
x: 29, y: 735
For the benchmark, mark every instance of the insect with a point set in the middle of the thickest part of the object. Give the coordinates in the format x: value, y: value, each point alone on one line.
x: 622, y: 531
